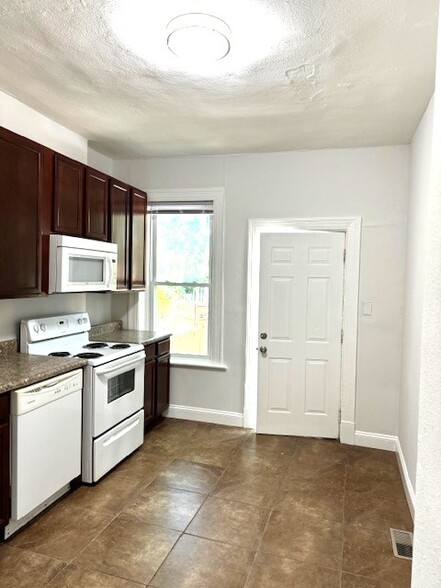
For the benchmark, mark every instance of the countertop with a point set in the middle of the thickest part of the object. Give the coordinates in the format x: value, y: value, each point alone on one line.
x: 18, y: 370
x: 127, y: 336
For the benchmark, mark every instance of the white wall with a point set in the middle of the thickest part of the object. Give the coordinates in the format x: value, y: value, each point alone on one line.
x: 426, y: 569
x: 372, y: 183
x: 416, y: 237
x: 25, y: 121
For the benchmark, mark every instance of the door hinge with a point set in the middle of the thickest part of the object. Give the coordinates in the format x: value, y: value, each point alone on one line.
x: 339, y: 415
x: 344, y: 255
x: 342, y: 335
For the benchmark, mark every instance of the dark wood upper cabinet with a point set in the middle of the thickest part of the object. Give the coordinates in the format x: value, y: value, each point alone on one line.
x: 25, y: 193
x: 119, y: 232
x: 96, y: 205
x: 68, y: 196
x: 138, y: 239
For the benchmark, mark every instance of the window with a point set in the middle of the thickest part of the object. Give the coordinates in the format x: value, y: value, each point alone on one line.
x: 186, y: 288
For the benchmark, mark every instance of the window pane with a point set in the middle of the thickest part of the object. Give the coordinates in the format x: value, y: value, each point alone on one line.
x: 183, y: 311
x: 183, y: 248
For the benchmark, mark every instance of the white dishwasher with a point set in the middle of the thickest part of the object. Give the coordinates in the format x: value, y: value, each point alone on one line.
x: 45, y: 444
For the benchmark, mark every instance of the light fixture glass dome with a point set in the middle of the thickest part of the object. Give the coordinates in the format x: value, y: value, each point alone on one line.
x: 198, y: 37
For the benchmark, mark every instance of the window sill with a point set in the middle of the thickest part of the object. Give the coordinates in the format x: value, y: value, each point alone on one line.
x: 194, y: 363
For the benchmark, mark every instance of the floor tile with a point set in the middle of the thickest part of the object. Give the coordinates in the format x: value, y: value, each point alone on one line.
x: 189, y: 475
x: 248, y: 487
x: 376, y: 460
x: 230, y: 522
x: 353, y: 581
x: 310, y: 498
x: 377, y: 485
x: 200, y: 563
x: 368, y: 552
x: 24, y: 569
x: 260, y: 462
x: 269, y: 571
x: 377, y: 514
x: 274, y: 443
x: 110, y: 495
x: 217, y: 457
x: 62, y: 531
x: 325, y: 450
x: 129, y: 549
x: 166, y: 507
x: 304, y: 538
x: 181, y: 427
x: 220, y: 438
x: 74, y: 576
x: 143, y: 466
x: 329, y: 476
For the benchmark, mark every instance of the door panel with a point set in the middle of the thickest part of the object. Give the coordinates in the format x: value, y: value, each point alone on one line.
x: 68, y: 196
x: 162, y: 384
x: 119, y: 229
x: 25, y: 192
x: 301, y: 304
x: 96, y: 205
x: 138, y: 241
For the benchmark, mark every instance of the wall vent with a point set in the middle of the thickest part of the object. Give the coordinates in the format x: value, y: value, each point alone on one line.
x: 402, y: 543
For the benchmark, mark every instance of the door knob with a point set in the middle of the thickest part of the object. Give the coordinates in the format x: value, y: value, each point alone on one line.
x: 263, y: 350
x: 263, y: 335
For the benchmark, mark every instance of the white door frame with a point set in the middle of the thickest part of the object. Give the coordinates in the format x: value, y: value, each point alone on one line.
x: 352, y: 228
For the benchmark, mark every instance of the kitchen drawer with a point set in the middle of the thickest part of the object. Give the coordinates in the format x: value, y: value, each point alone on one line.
x: 163, y: 347
x: 150, y: 351
x: 4, y: 409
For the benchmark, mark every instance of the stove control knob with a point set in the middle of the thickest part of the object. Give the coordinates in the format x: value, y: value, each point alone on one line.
x: 36, y: 329
x: 43, y: 327
x: 80, y: 321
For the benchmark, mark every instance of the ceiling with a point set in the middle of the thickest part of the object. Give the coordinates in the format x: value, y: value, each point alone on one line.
x: 301, y: 74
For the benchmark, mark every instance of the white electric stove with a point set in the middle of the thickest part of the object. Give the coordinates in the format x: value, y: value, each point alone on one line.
x: 113, y: 392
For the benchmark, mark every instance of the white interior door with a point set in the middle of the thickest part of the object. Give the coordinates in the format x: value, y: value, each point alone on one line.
x: 300, y: 311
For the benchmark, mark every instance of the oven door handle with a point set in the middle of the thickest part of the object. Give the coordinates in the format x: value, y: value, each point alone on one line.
x: 122, y: 366
x: 114, y: 438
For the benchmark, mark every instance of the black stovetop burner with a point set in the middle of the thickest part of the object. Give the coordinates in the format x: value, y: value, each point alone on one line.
x: 120, y: 346
x: 95, y: 345
x: 59, y: 354
x: 89, y: 355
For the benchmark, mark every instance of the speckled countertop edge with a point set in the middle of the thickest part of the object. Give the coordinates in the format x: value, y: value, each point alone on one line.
x: 18, y: 370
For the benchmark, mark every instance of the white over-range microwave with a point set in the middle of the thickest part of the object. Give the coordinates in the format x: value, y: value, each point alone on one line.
x: 81, y: 265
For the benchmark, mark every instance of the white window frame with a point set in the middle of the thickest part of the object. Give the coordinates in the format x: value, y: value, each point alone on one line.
x: 216, y: 320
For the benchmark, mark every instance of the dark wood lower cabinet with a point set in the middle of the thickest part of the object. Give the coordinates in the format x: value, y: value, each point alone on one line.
x: 156, y: 382
x: 4, y: 462
x: 149, y: 392
x: 162, y: 384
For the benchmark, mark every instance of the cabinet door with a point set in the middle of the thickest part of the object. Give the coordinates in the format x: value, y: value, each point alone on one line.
x: 96, y: 206
x: 25, y: 190
x: 162, y: 384
x: 68, y: 196
x: 4, y: 474
x: 119, y: 229
x: 138, y: 239
x: 149, y: 391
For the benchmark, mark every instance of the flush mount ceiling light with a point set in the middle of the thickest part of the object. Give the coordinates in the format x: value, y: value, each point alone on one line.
x: 198, y: 37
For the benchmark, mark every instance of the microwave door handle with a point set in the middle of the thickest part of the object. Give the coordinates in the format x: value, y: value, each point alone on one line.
x: 109, y: 272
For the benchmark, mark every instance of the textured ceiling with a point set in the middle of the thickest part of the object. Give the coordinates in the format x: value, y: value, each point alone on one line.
x: 302, y: 74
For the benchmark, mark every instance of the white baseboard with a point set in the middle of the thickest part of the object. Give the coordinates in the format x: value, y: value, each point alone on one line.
x: 205, y: 415
x: 347, y: 432
x: 408, y: 488
x: 376, y: 441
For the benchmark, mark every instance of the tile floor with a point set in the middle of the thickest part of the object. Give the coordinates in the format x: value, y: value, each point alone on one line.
x: 206, y: 506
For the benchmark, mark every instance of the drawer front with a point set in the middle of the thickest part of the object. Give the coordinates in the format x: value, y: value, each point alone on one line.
x: 163, y: 347
x: 4, y: 408
x: 150, y: 351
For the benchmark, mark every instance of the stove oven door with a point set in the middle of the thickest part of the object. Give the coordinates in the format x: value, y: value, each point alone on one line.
x: 118, y: 391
